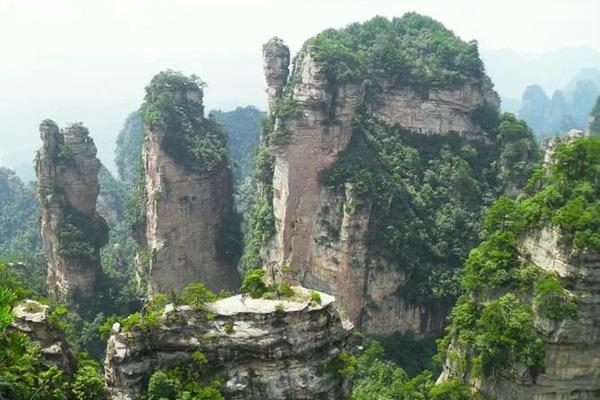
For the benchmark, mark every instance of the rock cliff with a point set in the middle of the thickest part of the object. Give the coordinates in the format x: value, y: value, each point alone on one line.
x: 324, y: 231
x: 187, y: 195
x: 265, y: 349
x: 71, y: 229
x: 31, y: 318
x: 572, y: 346
x: 544, y: 343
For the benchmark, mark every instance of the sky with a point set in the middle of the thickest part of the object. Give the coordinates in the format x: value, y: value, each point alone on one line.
x: 89, y: 60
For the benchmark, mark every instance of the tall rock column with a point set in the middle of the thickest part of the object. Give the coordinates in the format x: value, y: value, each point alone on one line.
x: 276, y: 56
x: 354, y: 143
x: 72, y: 231
x: 189, y: 232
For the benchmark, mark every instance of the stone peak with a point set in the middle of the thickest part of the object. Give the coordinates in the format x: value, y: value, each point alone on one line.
x: 276, y: 46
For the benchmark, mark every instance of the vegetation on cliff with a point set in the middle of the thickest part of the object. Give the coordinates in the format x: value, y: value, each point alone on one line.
x: 498, y: 334
x: 24, y: 372
x: 413, y: 50
x: 406, y: 175
x: 173, y: 104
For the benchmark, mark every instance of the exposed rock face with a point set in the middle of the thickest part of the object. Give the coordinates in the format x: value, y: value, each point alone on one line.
x: 71, y: 229
x: 572, y: 346
x: 31, y: 318
x: 305, y: 210
x: 276, y: 56
x: 184, y: 214
x: 267, y: 349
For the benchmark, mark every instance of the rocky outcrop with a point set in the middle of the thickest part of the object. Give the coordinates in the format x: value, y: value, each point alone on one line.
x: 185, y: 207
x: 71, y: 229
x: 276, y: 56
x: 265, y: 349
x: 31, y: 318
x: 320, y: 232
x: 572, y: 346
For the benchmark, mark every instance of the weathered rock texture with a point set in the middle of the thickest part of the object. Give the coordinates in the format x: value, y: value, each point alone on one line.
x: 572, y: 346
x: 31, y: 318
x: 276, y: 56
x: 305, y: 210
x: 71, y: 229
x: 267, y: 349
x: 184, y: 215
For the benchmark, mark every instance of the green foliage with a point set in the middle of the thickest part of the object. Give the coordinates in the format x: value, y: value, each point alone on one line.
x: 413, y: 50
x: 196, y: 295
x: 404, y: 176
x: 376, y: 378
x: 344, y: 365
x: 498, y: 333
x: 89, y: 383
x: 196, y: 142
x: 315, y: 297
x: 261, y: 223
x: 254, y: 284
x: 25, y: 373
x: 193, y: 380
x: 275, y: 130
x: 552, y: 301
x: 81, y: 235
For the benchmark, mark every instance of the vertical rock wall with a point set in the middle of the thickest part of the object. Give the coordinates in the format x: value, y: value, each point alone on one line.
x: 320, y: 232
x: 71, y: 229
x: 185, y: 211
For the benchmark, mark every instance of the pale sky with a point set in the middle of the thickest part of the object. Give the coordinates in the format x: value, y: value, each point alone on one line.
x: 89, y: 60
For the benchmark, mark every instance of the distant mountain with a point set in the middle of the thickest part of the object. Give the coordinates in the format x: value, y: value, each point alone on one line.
x: 567, y: 109
x: 513, y: 72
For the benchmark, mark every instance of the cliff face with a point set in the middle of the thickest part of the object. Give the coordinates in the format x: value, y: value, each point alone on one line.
x: 276, y: 56
x: 321, y: 231
x: 31, y: 318
x: 554, y: 282
x: 265, y: 349
x: 71, y: 229
x: 186, y: 203
x: 572, y: 346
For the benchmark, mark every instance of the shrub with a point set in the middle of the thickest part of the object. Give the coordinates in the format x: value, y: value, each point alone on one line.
x: 315, y: 297
x: 253, y: 284
x: 552, y: 301
x: 196, y: 295
x: 89, y: 384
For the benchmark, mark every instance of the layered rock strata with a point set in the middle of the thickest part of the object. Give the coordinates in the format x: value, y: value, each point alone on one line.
x: 31, y: 318
x: 305, y: 210
x: 266, y: 349
x: 71, y: 229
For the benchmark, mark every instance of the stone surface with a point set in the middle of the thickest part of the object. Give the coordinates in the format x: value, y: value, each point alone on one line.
x: 572, y: 346
x: 276, y: 56
x: 266, y: 349
x: 184, y: 212
x: 320, y: 231
x: 67, y: 172
x: 31, y: 318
